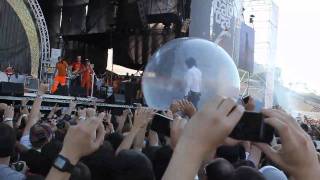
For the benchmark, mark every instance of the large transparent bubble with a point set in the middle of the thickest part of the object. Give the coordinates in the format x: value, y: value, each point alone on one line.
x: 165, y: 77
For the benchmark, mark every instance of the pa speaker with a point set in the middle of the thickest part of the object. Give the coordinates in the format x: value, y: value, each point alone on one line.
x: 11, y: 89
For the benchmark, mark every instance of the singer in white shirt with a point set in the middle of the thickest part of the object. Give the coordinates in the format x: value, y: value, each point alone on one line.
x: 193, y: 79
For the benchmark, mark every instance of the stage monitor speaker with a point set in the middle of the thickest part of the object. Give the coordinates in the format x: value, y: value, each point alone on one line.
x: 11, y: 89
x: 31, y: 84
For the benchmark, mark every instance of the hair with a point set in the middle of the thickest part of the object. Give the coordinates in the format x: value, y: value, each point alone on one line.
x: 115, y: 139
x: 190, y: 62
x: 35, y: 177
x: 241, y: 163
x: 7, y: 140
x: 161, y: 161
x: 133, y: 165
x: 219, y: 169
x: 52, y: 149
x: 80, y: 172
x: 40, y: 134
x: 247, y: 173
x: 101, y: 162
x: 231, y: 153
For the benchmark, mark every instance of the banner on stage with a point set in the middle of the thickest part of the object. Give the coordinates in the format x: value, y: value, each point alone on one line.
x: 218, y: 21
x: 55, y: 54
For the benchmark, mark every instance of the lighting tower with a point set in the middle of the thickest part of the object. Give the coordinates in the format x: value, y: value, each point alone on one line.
x: 263, y: 15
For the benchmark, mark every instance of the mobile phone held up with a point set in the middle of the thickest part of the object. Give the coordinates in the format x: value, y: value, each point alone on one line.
x: 161, y: 125
x: 252, y: 127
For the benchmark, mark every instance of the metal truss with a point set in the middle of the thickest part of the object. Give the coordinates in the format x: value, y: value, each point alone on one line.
x: 44, y: 35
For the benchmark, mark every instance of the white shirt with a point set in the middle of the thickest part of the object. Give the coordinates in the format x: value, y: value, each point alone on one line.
x: 25, y: 140
x: 193, y: 78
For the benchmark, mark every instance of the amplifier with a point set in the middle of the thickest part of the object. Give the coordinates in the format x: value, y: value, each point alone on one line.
x: 11, y: 89
x: 31, y: 84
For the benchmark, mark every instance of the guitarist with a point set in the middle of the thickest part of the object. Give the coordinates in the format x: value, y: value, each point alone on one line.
x: 77, y: 68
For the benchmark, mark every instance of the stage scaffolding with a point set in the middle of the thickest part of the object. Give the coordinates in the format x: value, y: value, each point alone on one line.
x: 263, y: 16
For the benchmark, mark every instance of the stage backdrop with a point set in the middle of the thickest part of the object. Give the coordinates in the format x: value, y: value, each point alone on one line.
x: 218, y: 21
x: 19, y: 42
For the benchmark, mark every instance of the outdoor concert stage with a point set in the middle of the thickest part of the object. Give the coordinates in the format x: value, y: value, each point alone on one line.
x: 62, y: 101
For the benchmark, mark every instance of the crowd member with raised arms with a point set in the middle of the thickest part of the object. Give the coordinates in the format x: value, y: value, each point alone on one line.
x: 97, y: 144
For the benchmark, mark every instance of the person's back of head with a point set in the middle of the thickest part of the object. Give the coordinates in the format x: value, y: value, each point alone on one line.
x: 161, y: 161
x: 40, y: 134
x: 247, y: 173
x: 101, y: 162
x: 7, y: 140
x: 115, y: 139
x: 191, y: 62
x: 219, y: 169
x: 37, y: 162
x: 133, y: 165
x: 80, y: 172
x: 35, y: 177
x: 231, y: 153
x: 52, y: 149
x: 273, y: 173
x: 241, y: 163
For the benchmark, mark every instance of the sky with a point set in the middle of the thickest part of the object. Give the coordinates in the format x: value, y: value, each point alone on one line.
x: 299, y: 42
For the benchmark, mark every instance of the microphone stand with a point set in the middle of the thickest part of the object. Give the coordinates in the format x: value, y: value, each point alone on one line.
x: 92, y: 81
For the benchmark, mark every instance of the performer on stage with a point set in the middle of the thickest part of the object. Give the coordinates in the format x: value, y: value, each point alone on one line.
x: 193, y: 79
x: 86, y: 81
x: 60, y: 74
x: 77, y: 69
x: 9, y: 71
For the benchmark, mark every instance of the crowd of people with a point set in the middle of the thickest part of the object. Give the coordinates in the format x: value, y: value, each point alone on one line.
x: 91, y: 143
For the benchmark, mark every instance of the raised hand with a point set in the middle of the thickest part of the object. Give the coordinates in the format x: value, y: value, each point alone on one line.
x: 82, y: 114
x: 297, y: 155
x: 142, y: 117
x: 174, y: 107
x: 83, y: 139
x: 24, y: 102
x: 108, y: 117
x: 42, y: 89
x: 9, y: 112
x: 214, y: 123
x: 176, y: 130
x: 3, y: 106
x: 187, y: 107
x: 202, y: 135
x: 90, y: 112
x: 251, y: 105
x: 72, y: 105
